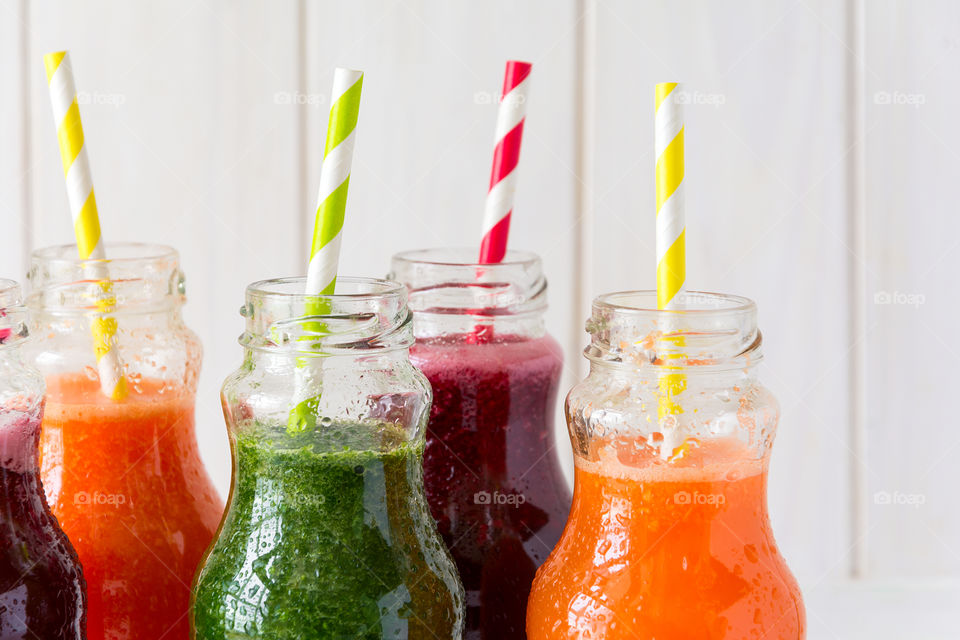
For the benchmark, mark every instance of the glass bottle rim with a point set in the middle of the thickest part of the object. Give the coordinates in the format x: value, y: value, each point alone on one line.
x: 713, y: 304
x: 362, y: 315
x: 117, y: 253
x: 349, y: 288
x: 464, y: 257
x: 9, y: 294
x: 706, y: 331
x: 448, y: 281
x: 13, y: 315
x: 143, y: 278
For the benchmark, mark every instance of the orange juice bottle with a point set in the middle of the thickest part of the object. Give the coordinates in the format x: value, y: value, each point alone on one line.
x: 124, y: 477
x: 668, y: 537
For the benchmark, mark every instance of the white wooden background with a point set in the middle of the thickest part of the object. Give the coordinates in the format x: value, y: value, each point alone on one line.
x: 822, y: 146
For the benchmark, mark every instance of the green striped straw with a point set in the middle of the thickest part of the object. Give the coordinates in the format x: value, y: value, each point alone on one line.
x: 331, y: 206
x: 334, y: 181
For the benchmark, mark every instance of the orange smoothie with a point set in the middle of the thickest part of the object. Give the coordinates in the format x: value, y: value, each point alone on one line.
x: 667, y: 551
x: 127, y: 484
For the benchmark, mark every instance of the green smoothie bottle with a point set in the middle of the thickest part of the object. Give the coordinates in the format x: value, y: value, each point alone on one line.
x: 327, y: 532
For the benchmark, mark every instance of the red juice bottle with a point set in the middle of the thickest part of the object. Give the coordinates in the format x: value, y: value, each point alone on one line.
x: 42, y: 591
x: 492, y: 476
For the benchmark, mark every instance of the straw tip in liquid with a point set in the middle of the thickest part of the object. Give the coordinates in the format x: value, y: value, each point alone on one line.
x: 120, y: 391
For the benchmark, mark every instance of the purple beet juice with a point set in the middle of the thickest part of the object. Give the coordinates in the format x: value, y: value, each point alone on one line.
x: 41, y: 584
x: 491, y: 472
x: 42, y: 592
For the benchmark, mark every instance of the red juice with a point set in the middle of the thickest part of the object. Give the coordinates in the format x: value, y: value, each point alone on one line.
x: 42, y: 591
x: 492, y: 476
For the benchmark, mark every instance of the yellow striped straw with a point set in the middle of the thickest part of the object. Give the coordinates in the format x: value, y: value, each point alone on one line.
x: 86, y: 220
x: 671, y: 229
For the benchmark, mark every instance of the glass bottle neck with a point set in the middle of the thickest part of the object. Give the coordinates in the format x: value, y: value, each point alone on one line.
x: 13, y: 317
x: 451, y: 295
x: 705, y: 332
x: 366, y: 318
x: 21, y: 395
x: 136, y: 280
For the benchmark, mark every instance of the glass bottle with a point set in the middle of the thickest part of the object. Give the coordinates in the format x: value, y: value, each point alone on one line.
x: 328, y: 534
x: 124, y: 477
x: 668, y: 536
x: 493, y: 479
x: 42, y: 592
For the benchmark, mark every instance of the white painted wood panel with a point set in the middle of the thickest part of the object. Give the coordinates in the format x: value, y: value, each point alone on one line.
x: 883, y: 610
x: 13, y: 158
x: 190, y: 146
x: 912, y: 262
x: 425, y: 138
x: 765, y: 175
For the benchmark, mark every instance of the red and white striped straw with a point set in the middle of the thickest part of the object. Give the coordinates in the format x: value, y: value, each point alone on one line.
x: 506, y: 155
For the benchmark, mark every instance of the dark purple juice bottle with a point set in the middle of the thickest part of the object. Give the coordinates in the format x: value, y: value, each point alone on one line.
x: 42, y: 592
x: 491, y: 471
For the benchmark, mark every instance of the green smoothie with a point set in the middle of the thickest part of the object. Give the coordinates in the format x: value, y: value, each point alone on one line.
x: 327, y: 538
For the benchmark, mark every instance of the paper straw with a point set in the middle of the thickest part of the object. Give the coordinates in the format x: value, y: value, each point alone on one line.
x: 671, y: 253
x: 671, y: 257
x: 506, y: 154
x: 86, y: 220
x: 334, y: 181
x: 331, y: 207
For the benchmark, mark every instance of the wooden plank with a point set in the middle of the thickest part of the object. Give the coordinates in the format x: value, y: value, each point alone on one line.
x: 425, y: 135
x: 191, y: 144
x: 913, y: 257
x: 766, y: 149
x: 14, y: 162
